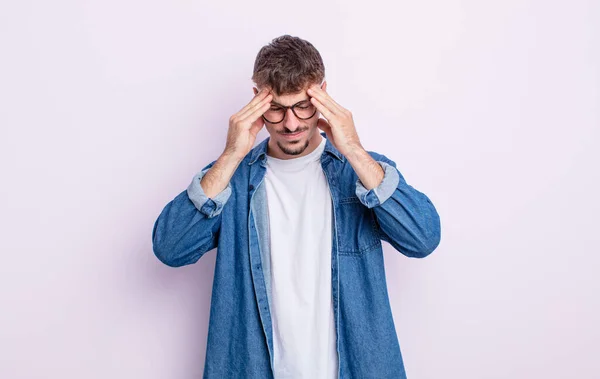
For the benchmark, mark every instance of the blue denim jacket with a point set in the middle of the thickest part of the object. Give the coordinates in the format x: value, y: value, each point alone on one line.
x: 240, y: 336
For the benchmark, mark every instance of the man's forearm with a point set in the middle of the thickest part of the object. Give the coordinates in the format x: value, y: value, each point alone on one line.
x: 218, y: 176
x: 368, y: 170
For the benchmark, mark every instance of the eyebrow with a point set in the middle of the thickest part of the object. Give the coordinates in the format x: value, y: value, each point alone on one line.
x: 281, y: 105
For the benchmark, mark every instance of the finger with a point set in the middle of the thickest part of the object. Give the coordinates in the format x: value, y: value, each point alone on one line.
x: 325, y: 99
x: 257, y: 126
x: 259, y: 111
x: 326, y: 102
x: 324, y: 110
x: 324, y: 125
x: 260, y: 104
x: 257, y: 99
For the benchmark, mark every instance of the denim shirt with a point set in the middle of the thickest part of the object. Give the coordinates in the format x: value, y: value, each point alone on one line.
x: 235, y: 221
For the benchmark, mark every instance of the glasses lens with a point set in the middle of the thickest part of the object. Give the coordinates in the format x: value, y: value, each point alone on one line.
x: 304, y: 110
x: 274, y: 114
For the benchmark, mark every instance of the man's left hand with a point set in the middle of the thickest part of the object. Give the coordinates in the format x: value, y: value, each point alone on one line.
x: 338, y: 124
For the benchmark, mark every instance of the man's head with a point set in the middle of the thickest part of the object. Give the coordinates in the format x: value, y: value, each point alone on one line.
x: 288, y: 66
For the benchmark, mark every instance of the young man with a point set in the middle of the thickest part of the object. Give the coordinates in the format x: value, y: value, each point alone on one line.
x: 299, y: 289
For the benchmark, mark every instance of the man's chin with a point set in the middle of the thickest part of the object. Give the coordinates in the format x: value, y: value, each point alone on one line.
x: 293, y: 147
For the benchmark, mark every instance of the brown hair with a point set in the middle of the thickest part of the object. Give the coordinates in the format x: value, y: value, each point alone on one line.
x: 287, y: 65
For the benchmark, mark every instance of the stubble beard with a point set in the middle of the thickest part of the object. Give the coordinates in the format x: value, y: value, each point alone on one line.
x: 294, y: 149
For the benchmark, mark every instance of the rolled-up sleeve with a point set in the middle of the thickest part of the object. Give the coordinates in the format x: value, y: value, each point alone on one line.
x: 383, y: 191
x: 211, y: 207
x: 405, y: 217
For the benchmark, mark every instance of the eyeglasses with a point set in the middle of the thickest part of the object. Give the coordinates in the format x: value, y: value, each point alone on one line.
x: 303, y: 110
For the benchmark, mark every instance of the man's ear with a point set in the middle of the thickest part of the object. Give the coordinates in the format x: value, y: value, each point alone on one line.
x: 324, y: 86
x: 255, y: 90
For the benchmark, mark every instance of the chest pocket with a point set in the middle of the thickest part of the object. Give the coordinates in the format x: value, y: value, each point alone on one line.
x: 356, y: 227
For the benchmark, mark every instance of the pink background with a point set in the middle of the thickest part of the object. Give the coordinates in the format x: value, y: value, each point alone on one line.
x: 108, y: 108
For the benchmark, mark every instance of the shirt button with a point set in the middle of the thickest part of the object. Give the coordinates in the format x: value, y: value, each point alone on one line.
x: 250, y: 187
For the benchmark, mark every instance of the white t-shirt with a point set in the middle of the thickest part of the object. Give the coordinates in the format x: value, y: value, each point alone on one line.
x: 300, y: 212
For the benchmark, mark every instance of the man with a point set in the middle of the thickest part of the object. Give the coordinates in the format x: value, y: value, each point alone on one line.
x: 299, y: 289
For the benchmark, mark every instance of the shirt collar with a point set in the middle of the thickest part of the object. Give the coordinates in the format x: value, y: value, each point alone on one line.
x: 261, y: 150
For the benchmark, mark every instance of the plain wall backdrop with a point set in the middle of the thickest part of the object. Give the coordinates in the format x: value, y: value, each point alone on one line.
x: 108, y: 108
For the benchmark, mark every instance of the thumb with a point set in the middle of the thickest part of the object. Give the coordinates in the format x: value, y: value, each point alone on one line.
x: 257, y: 126
x: 324, y: 126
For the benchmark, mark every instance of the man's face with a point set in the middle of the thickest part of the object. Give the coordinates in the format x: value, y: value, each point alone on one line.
x: 292, y: 137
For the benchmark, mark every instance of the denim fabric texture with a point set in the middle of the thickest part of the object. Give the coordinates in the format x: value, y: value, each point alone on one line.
x: 235, y: 221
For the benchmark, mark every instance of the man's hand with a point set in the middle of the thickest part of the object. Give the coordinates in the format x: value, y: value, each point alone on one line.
x: 245, y: 125
x: 340, y: 130
x: 243, y: 128
x: 339, y: 124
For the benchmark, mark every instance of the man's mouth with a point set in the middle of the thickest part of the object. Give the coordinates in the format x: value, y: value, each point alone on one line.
x: 293, y: 135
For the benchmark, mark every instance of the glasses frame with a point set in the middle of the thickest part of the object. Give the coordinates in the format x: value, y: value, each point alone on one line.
x: 293, y: 111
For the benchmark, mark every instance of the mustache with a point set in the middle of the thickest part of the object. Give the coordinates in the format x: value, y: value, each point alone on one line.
x: 287, y: 131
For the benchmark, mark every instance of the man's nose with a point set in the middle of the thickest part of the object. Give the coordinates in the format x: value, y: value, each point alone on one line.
x: 290, y: 121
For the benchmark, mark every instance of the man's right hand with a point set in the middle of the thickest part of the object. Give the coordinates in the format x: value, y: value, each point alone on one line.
x: 243, y: 128
x: 245, y: 125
